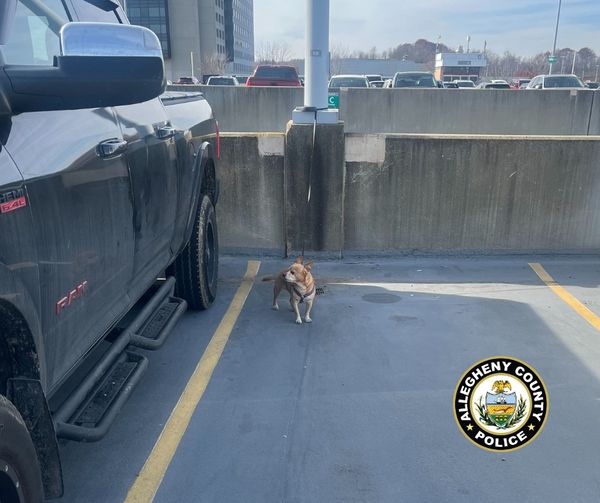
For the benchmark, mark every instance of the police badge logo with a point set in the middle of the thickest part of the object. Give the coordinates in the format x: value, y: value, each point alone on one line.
x: 501, y: 404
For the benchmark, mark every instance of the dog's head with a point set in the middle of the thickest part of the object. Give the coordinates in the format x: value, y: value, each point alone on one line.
x: 299, y: 272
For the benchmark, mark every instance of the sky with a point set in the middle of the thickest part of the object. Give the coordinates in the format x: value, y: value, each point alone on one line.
x: 524, y: 27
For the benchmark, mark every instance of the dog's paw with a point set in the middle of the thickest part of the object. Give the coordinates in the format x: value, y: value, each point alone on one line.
x: 308, y: 319
x: 298, y: 321
x: 275, y: 307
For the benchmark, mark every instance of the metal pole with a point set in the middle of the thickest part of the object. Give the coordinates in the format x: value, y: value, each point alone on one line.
x: 573, y: 67
x: 192, y: 62
x: 317, y: 54
x: 555, y: 34
x: 596, y: 78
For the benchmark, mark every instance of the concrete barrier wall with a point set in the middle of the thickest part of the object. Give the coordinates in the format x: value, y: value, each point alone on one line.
x: 250, y: 209
x: 250, y: 109
x: 480, y: 194
x: 467, y: 111
x: 428, y: 111
x: 422, y: 193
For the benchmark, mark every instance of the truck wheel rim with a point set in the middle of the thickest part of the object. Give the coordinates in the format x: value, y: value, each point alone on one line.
x: 11, y: 490
x: 209, y: 254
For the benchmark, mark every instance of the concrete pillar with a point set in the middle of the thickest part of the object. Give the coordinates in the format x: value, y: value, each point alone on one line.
x: 319, y: 226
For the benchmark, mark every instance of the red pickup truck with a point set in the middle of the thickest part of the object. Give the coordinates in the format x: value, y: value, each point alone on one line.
x: 274, y: 75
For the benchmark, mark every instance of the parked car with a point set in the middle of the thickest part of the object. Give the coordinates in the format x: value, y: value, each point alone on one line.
x: 274, y: 75
x: 556, y: 82
x: 104, y: 186
x: 373, y: 78
x: 450, y: 85
x: 388, y: 83
x: 187, y: 81
x: 414, y: 79
x: 338, y: 81
x: 377, y: 83
x: 592, y: 85
x: 464, y: 84
x: 519, y: 83
x: 241, y: 79
x: 222, y: 80
x: 493, y: 85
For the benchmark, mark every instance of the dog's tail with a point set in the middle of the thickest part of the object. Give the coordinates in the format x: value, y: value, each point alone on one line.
x: 269, y: 278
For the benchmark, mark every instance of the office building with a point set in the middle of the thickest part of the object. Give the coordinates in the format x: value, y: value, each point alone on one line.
x: 200, y: 37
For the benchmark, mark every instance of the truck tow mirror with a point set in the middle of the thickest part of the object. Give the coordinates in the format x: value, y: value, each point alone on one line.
x: 100, y: 65
x: 7, y: 18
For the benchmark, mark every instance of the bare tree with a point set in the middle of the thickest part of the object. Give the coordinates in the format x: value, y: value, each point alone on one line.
x: 272, y: 52
x: 213, y: 65
x: 338, y: 53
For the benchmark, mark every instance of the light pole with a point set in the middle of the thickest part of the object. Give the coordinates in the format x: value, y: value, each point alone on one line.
x: 596, y: 78
x: 555, y: 35
x: 573, y: 66
x: 316, y: 69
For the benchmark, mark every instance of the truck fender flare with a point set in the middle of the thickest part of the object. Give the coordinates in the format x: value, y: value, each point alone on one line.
x: 27, y: 308
x: 201, y: 159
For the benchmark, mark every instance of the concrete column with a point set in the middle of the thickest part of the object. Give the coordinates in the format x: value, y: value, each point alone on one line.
x: 319, y: 226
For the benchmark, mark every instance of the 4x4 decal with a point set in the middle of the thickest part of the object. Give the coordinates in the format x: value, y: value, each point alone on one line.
x: 12, y: 200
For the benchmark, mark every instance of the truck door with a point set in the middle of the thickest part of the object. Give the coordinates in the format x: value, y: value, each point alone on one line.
x: 152, y: 159
x: 79, y: 193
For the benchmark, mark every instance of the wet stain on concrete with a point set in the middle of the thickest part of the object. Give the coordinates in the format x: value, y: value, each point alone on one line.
x: 403, y: 319
x: 381, y: 298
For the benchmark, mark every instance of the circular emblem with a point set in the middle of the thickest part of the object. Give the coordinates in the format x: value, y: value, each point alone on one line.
x: 501, y: 403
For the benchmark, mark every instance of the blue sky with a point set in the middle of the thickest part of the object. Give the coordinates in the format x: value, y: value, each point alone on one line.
x: 524, y: 27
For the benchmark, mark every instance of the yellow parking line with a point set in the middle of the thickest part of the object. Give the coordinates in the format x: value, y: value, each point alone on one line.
x: 569, y: 299
x: 149, y: 479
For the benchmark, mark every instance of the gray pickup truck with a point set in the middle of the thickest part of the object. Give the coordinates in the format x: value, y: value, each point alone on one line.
x: 108, y: 231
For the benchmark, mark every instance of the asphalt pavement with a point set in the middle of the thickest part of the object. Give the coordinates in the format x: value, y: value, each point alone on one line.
x: 357, y: 406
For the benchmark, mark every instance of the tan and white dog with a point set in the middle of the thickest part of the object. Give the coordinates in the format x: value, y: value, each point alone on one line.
x: 299, y: 283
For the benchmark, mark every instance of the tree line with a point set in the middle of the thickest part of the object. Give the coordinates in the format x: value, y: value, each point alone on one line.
x: 423, y: 51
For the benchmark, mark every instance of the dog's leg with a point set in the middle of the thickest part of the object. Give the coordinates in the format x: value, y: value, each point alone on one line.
x: 296, y: 307
x: 276, y: 291
x: 309, y: 304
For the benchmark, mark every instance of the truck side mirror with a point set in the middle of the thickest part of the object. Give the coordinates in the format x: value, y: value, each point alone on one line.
x: 8, y: 8
x: 101, y: 65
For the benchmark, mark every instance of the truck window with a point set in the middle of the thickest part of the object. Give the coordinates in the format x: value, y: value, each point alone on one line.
x: 34, y: 38
x: 95, y: 11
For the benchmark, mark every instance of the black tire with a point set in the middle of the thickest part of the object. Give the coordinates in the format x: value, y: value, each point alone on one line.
x: 196, y: 269
x: 20, y: 476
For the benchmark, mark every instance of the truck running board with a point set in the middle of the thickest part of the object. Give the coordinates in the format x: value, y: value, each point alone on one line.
x: 91, y: 409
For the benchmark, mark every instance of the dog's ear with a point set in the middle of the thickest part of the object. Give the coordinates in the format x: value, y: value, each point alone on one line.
x: 308, y: 265
x: 299, y: 260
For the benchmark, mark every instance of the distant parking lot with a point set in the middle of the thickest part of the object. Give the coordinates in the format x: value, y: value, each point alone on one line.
x: 357, y: 405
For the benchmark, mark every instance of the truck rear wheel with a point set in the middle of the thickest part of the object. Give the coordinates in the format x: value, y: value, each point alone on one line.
x: 20, y: 476
x: 196, y: 269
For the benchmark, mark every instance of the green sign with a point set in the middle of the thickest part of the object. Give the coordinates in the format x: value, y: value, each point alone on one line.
x: 552, y: 59
x: 334, y: 101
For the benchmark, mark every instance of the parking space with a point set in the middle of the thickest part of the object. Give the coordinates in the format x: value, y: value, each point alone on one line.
x: 357, y: 406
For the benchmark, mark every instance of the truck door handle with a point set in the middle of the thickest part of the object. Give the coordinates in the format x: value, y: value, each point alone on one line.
x: 165, y: 132
x: 112, y: 147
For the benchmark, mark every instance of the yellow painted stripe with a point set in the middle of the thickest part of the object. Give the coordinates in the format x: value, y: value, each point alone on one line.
x: 149, y: 479
x: 569, y: 299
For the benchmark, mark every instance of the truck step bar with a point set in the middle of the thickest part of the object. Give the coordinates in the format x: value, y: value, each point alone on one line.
x: 91, y: 409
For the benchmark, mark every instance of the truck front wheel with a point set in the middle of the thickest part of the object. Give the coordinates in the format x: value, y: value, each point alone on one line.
x: 196, y: 269
x: 20, y: 476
